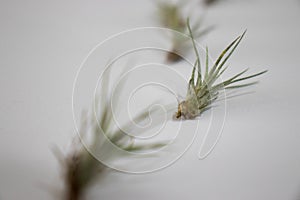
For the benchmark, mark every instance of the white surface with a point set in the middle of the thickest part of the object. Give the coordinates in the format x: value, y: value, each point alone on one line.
x: 42, y: 45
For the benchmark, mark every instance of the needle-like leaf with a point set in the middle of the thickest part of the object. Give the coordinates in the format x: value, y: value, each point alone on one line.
x: 201, y: 95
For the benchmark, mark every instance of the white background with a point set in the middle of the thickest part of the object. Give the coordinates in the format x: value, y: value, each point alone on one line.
x: 42, y: 44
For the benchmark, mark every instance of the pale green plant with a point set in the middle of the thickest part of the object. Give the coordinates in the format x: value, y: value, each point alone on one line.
x: 202, y: 87
x: 171, y: 16
x: 80, y: 167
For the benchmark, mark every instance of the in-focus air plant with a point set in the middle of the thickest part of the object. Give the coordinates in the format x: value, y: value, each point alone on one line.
x: 171, y: 16
x: 80, y: 167
x: 202, y: 87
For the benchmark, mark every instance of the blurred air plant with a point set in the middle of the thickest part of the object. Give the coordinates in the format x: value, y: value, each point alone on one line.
x: 80, y: 167
x: 210, y: 2
x: 170, y: 15
x: 204, y: 91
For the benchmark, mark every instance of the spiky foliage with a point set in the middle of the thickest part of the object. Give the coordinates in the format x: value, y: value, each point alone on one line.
x: 171, y: 16
x: 80, y: 167
x: 204, y: 91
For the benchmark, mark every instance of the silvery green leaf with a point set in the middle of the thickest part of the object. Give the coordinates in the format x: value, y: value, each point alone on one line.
x: 205, y: 91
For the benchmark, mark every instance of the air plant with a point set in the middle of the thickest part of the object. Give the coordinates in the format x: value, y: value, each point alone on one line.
x: 210, y: 2
x: 80, y: 167
x: 204, y: 91
x: 80, y: 170
x: 171, y: 16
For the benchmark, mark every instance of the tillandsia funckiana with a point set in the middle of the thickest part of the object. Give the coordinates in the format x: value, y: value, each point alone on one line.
x: 202, y: 87
x: 171, y: 16
x: 80, y: 167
